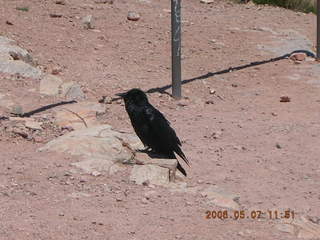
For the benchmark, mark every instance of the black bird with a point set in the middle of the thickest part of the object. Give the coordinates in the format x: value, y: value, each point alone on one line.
x: 152, y: 127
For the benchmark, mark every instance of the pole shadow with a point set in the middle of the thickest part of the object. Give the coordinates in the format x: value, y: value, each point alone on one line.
x: 44, y: 108
x: 231, y: 69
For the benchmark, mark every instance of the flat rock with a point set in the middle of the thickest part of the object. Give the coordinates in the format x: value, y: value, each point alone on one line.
x: 100, y: 148
x: 288, y: 228
x: 8, y: 47
x: 79, y: 115
x: 50, y: 85
x: 220, y: 197
x: 32, y: 124
x: 150, y: 174
x: 71, y: 91
x: 170, y: 164
x: 16, y: 60
x: 95, y: 165
x: 21, y: 68
x: 300, y: 227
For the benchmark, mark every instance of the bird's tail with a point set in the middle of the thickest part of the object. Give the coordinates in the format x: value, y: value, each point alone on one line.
x: 181, y: 154
x: 181, y: 169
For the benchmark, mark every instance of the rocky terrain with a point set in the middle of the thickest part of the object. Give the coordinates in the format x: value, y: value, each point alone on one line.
x: 248, y: 121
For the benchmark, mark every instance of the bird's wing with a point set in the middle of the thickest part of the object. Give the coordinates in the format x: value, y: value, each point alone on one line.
x: 161, y: 129
x: 161, y: 126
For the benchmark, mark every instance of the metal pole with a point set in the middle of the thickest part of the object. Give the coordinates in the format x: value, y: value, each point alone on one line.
x: 176, y: 47
x: 318, y: 30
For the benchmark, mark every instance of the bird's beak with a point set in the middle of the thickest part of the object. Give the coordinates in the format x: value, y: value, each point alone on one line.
x: 121, y: 94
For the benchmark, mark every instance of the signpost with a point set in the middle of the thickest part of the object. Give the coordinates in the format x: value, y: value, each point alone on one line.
x: 176, y: 47
x: 318, y: 30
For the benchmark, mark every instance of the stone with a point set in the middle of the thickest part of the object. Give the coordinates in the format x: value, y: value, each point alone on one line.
x: 150, y: 194
x: 285, y: 228
x: 32, y: 124
x: 75, y: 93
x: 19, y: 67
x: 50, y: 84
x: 61, y: 2
x: 298, y: 56
x: 88, y: 22
x: 94, y: 165
x: 71, y: 91
x: 103, y: 1
x: 16, y: 110
x: 99, y: 147
x: 207, y: 1
x: 144, y: 159
x: 285, y: 99
x: 79, y: 115
x: 78, y: 195
x: 20, y: 130
x: 55, y: 15
x: 144, y: 201
x: 216, y: 135
x: 56, y: 71
x: 107, y: 99
x: 221, y: 198
x: 133, y: 16
x: 9, y: 47
x: 300, y: 227
x: 149, y: 173
x: 212, y: 91
x: 95, y: 173
x: 16, y: 60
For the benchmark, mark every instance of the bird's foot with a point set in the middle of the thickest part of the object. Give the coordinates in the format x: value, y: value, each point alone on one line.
x: 145, y: 150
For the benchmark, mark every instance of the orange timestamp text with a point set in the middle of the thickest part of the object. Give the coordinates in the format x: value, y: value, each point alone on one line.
x: 252, y: 214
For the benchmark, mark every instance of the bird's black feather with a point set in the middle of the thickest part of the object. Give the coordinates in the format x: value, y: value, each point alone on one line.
x: 152, y: 127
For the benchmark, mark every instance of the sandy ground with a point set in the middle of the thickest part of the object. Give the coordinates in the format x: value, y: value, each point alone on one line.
x: 241, y: 138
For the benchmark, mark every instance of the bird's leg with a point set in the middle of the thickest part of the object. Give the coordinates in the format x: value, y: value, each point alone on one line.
x: 172, y: 174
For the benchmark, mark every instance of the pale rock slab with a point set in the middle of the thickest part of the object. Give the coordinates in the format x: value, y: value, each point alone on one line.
x: 49, y: 85
x: 221, y: 198
x: 79, y: 115
x: 149, y: 174
x: 100, y: 148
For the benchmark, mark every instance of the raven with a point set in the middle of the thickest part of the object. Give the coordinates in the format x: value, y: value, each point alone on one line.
x: 152, y: 127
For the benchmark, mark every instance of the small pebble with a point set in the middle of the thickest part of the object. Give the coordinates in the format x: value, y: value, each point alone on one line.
x: 88, y: 22
x: 133, y: 16
x: 144, y: 201
x: 285, y: 99
x: 55, y: 15
x: 96, y: 173
x: 60, y: 2
x: 212, y: 91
